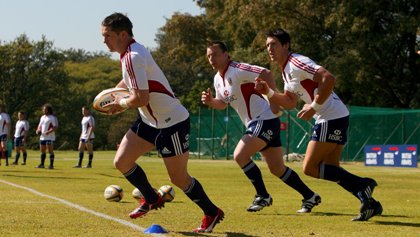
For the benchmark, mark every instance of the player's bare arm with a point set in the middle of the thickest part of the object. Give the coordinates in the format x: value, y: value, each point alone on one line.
x: 207, y: 99
x: 326, y: 83
x: 121, y: 84
x: 138, y: 98
x: 286, y: 100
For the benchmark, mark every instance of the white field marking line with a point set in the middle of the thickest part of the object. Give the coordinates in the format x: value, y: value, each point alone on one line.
x: 84, y: 209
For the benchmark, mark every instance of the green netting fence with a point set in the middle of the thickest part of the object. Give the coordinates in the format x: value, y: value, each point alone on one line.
x: 214, y: 133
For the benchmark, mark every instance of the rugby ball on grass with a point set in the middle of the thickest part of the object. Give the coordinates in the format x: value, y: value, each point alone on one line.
x: 167, y: 192
x: 113, y: 193
x: 136, y: 194
x: 106, y: 97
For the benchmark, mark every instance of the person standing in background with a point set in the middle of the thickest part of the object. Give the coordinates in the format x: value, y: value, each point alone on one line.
x: 5, y: 127
x: 47, y: 126
x: 21, y: 134
x: 86, y: 138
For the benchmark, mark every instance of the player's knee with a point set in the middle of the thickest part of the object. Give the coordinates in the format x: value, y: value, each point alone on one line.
x: 119, y: 164
x: 310, y: 170
x: 182, y: 182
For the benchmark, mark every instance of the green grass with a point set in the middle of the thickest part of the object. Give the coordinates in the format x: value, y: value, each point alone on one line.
x: 24, y: 213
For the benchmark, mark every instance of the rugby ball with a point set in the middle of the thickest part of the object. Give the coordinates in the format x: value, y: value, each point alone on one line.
x: 167, y: 192
x: 113, y: 193
x: 106, y: 97
x: 136, y: 194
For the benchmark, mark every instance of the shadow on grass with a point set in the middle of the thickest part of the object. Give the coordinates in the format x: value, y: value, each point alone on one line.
x: 398, y: 223
x: 112, y: 176
x: 44, y: 177
x: 228, y: 234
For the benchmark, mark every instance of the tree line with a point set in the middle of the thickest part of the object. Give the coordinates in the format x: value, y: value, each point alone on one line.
x: 370, y: 47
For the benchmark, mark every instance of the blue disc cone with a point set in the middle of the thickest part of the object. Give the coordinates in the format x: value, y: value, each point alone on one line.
x: 155, y: 229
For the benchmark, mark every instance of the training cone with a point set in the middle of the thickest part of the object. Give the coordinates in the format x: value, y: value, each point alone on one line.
x: 155, y: 229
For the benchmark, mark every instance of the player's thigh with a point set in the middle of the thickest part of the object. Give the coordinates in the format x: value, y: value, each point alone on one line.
x: 89, y: 146
x: 246, y: 147
x: 3, y: 145
x: 177, y: 170
x: 273, y: 156
x: 43, y: 148
x: 130, y: 149
x: 320, y: 152
x: 50, y: 147
x: 82, y: 145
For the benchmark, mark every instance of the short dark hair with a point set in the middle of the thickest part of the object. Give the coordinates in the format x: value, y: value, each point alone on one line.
x: 280, y: 34
x: 49, y: 108
x: 118, y: 22
x: 222, y: 45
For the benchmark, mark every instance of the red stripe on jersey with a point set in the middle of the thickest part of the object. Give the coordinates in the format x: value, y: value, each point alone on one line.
x: 50, y: 126
x: 248, y: 89
x: 130, y: 70
x: 155, y: 86
x: 151, y: 113
x: 310, y: 87
x: 22, y: 132
x: 247, y: 67
x: 302, y: 65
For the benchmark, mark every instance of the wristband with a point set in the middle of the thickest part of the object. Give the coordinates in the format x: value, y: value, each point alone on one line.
x: 123, y: 103
x: 315, y: 105
x: 270, y: 93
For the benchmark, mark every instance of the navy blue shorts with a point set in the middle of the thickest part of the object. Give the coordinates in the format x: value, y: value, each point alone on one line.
x: 84, y: 141
x: 267, y: 130
x: 19, y: 142
x: 333, y: 131
x: 46, y: 142
x: 171, y: 141
x: 3, y: 137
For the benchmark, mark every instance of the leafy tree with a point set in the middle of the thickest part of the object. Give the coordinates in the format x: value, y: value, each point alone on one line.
x: 32, y: 74
x: 181, y: 55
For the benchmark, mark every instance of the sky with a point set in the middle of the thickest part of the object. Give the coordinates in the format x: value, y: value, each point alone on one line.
x: 77, y: 23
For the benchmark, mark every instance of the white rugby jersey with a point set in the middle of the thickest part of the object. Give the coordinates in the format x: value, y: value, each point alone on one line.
x: 22, y: 126
x: 298, y: 77
x: 140, y: 71
x: 4, y: 121
x: 87, y: 122
x: 46, y: 123
x: 236, y: 87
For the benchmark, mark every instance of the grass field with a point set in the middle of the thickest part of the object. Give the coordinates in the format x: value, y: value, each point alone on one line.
x: 69, y: 202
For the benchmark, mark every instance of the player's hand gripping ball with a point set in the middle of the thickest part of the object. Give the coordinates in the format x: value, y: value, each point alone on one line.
x: 167, y: 192
x: 113, y: 193
x: 106, y: 97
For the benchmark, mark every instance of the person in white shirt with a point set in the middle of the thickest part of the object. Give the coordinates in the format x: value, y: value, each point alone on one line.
x: 5, y: 128
x: 47, y: 126
x: 234, y: 83
x: 86, y: 137
x: 21, y: 134
x: 314, y: 85
x: 163, y: 123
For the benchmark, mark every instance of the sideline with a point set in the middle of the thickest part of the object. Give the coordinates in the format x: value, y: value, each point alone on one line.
x: 81, y: 208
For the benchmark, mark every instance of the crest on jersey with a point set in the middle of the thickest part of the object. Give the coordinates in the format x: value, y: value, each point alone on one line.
x: 229, y: 80
x: 226, y: 93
